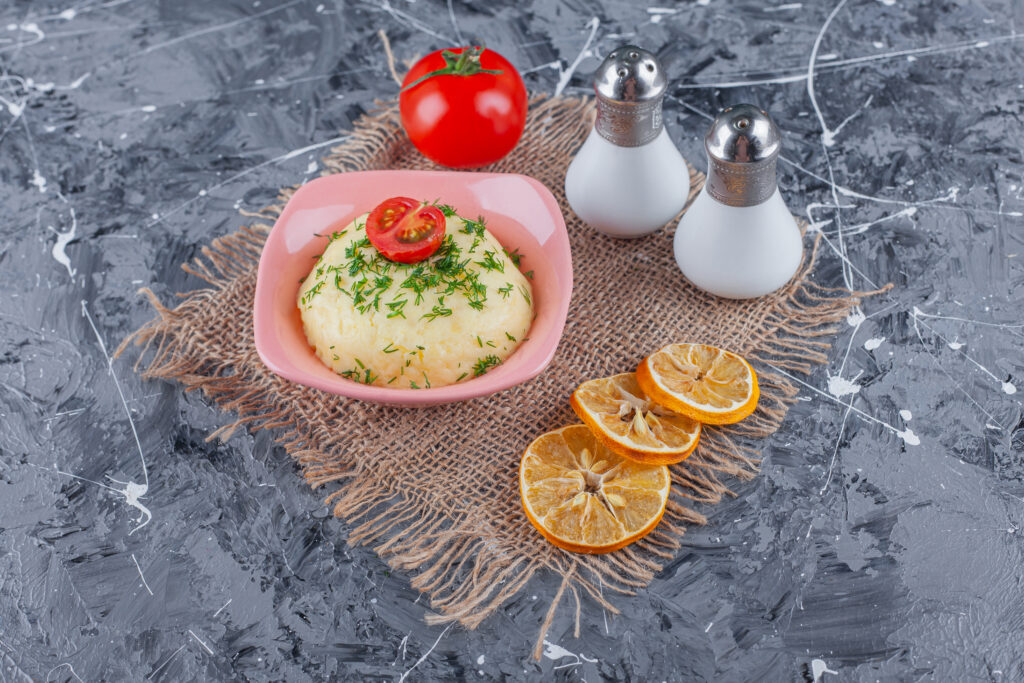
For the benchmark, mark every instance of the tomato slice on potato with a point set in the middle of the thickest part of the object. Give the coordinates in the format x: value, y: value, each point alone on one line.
x: 405, y: 230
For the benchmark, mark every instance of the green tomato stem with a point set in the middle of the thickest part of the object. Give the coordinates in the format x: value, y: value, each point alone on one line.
x: 467, y: 63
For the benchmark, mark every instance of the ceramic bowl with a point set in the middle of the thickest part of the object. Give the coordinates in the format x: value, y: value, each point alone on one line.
x: 520, y: 212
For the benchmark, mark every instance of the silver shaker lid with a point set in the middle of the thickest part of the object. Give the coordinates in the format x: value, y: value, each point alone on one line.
x: 630, y: 87
x: 743, y: 147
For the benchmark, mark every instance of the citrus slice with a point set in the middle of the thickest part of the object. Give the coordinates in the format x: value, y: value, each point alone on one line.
x: 625, y: 420
x: 710, y: 385
x: 583, y: 497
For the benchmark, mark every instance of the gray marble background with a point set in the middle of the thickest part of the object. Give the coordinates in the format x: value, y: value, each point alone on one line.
x: 882, y: 540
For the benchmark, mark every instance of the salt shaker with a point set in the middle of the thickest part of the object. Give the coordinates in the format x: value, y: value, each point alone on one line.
x: 628, y: 179
x: 738, y: 239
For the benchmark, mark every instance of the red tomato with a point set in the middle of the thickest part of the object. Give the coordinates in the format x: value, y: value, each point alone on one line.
x: 404, y: 231
x: 463, y: 107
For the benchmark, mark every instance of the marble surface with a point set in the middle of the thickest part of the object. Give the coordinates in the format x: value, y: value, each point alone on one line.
x: 882, y: 540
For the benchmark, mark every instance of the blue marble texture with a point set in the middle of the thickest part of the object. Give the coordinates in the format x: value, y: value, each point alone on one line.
x: 882, y: 540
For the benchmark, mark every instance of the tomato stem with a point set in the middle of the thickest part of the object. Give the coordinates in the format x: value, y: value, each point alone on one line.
x: 466, y: 63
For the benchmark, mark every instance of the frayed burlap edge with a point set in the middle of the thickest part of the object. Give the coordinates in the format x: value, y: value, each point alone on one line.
x: 465, y: 579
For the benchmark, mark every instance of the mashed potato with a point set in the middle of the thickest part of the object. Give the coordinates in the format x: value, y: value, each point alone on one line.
x: 447, y: 319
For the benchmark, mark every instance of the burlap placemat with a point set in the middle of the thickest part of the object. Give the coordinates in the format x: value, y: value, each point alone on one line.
x: 435, y: 490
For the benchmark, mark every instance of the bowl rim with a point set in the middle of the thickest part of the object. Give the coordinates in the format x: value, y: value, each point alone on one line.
x: 542, y: 352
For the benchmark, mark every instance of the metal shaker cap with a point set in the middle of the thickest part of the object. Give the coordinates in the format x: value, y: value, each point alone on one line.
x: 630, y: 87
x: 743, y: 147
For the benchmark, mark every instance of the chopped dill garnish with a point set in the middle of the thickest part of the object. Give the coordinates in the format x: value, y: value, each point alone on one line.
x: 491, y: 263
x: 361, y: 374
x: 376, y: 284
x: 360, y: 364
x: 438, y: 311
x: 395, y: 308
x: 477, y: 227
x: 484, y: 364
x: 390, y: 348
x: 446, y: 209
x: 510, y: 337
x: 460, y: 378
x: 479, y: 341
x: 413, y: 385
x: 514, y: 256
x: 526, y: 294
x: 392, y: 380
x: 312, y: 292
x: 529, y: 274
x: 426, y: 380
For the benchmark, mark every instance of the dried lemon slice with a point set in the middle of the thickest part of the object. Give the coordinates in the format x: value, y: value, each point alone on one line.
x: 583, y: 497
x: 625, y: 420
x: 708, y: 384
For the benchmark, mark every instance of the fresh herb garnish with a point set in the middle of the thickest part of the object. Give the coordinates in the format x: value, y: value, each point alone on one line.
x: 491, y: 263
x: 484, y: 364
x: 438, y: 311
x: 514, y: 256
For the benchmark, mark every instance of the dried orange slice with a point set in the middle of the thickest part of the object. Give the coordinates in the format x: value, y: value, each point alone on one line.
x: 583, y: 497
x: 625, y: 420
x: 710, y: 385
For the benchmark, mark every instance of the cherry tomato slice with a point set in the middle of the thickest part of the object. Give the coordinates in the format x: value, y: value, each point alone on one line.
x: 405, y: 231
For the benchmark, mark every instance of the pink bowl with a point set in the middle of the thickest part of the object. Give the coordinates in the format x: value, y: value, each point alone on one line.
x: 521, y: 213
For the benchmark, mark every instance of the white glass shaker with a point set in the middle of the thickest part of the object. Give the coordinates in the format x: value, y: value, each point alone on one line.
x: 628, y: 179
x: 738, y: 239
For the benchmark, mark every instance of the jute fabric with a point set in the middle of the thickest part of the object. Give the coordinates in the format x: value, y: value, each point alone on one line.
x: 435, y: 490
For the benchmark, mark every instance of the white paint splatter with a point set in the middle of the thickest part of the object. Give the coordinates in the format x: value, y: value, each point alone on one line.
x: 132, y: 491
x: 563, y: 79
x: 874, y: 343
x: 480, y: 660
x: 70, y: 668
x: 659, y: 13
x: 955, y: 345
x: 63, y: 238
x: 312, y: 166
x: 1009, y: 388
x: 818, y: 667
x: 906, y: 415
x: 141, y: 576
x: 909, y: 436
x: 848, y: 406
x: 426, y: 654
x: 38, y: 180
x: 554, y: 652
x: 68, y: 14
x: 840, y: 386
x: 200, y: 641
x: 856, y: 317
x: 783, y: 8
